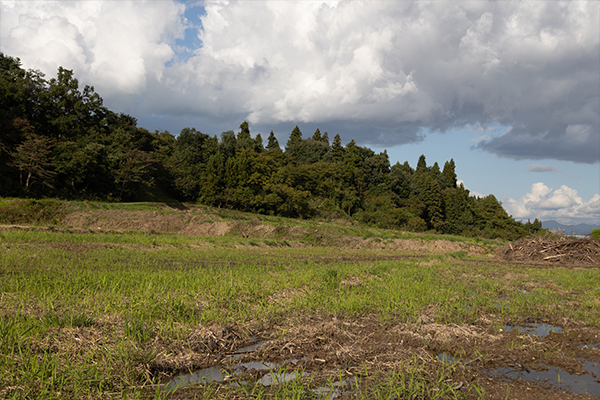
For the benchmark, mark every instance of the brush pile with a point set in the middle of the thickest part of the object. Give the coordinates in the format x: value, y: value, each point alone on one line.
x: 564, y: 251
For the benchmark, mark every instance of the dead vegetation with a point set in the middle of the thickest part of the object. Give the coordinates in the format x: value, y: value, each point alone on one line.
x: 568, y: 251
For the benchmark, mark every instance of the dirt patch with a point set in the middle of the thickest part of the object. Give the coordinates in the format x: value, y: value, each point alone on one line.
x: 567, y: 251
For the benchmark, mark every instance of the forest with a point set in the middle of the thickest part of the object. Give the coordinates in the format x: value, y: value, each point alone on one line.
x: 59, y: 141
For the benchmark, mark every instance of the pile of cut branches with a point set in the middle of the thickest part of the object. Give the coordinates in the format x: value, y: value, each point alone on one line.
x: 564, y: 250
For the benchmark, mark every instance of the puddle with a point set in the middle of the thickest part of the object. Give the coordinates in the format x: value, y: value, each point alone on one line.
x: 257, y: 365
x: 559, y: 378
x: 203, y: 376
x: 593, y: 367
x: 275, y: 378
x: 221, y: 374
x: 538, y: 329
x: 588, y: 346
x: 445, y: 357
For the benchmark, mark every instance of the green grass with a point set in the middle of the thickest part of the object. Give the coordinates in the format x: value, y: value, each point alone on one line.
x: 81, y: 314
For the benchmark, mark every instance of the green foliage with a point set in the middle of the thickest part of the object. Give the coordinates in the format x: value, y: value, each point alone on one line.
x: 493, y: 222
x: 60, y: 141
x: 596, y: 234
x: 337, y: 150
x: 431, y: 196
x: 272, y: 143
x: 449, y: 174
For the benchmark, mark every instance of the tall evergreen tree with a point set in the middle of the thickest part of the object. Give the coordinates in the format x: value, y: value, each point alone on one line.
x: 317, y: 135
x: 244, y: 133
x: 431, y: 196
x: 258, y: 140
x: 244, y: 140
x: 449, y: 173
x: 294, y: 142
x: 407, y: 170
x: 295, y: 137
x: 337, y: 150
x: 422, y: 164
x: 272, y: 142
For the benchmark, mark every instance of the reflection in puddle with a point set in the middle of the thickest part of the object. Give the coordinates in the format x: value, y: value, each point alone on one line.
x: 276, y: 378
x: 557, y: 377
x: 588, y: 346
x: 338, y: 389
x: 218, y: 374
x: 207, y: 375
x: 538, y: 329
x: 445, y: 357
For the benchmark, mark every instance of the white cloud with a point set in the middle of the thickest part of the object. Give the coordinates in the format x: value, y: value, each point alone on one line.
x: 115, y: 46
x: 382, y: 70
x: 562, y: 204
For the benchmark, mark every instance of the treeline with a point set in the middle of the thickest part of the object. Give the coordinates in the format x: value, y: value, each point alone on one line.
x: 59, y: 141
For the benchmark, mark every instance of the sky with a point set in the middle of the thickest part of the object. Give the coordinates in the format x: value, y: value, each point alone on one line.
x: 508, y: 89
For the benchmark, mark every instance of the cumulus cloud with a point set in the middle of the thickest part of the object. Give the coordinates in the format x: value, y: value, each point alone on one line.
x: 384, y: 72
x: 562, y: 204
x: 543, y: 168
x: 116, y: 46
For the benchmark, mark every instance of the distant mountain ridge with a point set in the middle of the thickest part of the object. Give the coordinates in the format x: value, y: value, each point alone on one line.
x: 579, y: 229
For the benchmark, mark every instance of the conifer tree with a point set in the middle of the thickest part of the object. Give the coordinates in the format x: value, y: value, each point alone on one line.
x: 337, y: 150
x: 294, y: 142
x: 431, y: 196
x: 244, y: 131
x: 421, y: 164
x: 325, y: 138
x: 407, y: 170
x: 258, y: 140
x: 295, y: 137
x: 272, y: 142
x: 244, y: 140
x: 449, y: 174
x: 317, y: 135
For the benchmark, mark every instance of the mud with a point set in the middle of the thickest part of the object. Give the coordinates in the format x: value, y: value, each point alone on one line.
x: 498, y: 361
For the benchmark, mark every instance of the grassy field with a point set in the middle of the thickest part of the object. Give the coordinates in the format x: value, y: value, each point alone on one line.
x: 342, y: 312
